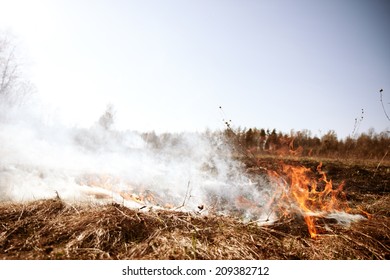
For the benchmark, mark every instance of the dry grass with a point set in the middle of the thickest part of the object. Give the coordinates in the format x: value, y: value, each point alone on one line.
x: 52, y: 229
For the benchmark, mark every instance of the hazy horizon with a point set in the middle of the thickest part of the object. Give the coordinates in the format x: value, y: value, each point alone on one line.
x: 168, y: 66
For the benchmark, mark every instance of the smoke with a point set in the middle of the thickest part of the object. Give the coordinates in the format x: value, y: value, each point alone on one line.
x: 190, y: 171
x: 42, y: 158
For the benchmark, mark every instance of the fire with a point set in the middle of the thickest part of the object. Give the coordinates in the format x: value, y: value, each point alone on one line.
x: 299, y: 190
x: 106, y: 182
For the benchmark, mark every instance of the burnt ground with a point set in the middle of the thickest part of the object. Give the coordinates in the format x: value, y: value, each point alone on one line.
x: 359, y: 176
x: 54, y: 229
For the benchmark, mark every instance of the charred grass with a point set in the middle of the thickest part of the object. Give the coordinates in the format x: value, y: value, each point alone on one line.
x: 54, y: 229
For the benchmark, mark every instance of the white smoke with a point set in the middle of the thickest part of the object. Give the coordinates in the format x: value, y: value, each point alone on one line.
x: 40, y: 159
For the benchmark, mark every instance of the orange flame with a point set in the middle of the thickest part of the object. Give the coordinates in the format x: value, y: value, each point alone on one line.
x: 302, y: 192
x: 298, y: 190
x: 108, y: 182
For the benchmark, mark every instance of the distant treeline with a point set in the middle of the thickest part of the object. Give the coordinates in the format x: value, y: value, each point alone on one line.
x: 370, y: 145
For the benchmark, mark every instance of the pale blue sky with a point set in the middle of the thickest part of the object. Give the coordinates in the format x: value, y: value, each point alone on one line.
x: 169, y: 65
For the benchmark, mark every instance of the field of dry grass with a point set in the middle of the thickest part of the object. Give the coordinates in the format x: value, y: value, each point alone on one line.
x: 53, y: 229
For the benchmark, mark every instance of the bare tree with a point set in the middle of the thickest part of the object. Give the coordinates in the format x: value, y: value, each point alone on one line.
x: 107, y: 119
x: 12, y: 85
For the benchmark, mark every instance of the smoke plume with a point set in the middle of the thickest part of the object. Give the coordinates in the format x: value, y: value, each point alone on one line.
x: 190, y: 171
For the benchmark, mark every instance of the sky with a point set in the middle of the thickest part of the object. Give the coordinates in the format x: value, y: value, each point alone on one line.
x: 169, y: 65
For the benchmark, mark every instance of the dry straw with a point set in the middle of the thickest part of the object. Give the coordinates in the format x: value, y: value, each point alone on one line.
x: 52, y: 229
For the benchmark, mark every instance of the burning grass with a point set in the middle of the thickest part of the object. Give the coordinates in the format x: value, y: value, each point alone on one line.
x: 53, y: 229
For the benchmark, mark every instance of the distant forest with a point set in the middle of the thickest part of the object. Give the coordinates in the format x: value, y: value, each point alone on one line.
x: 368, y: 145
